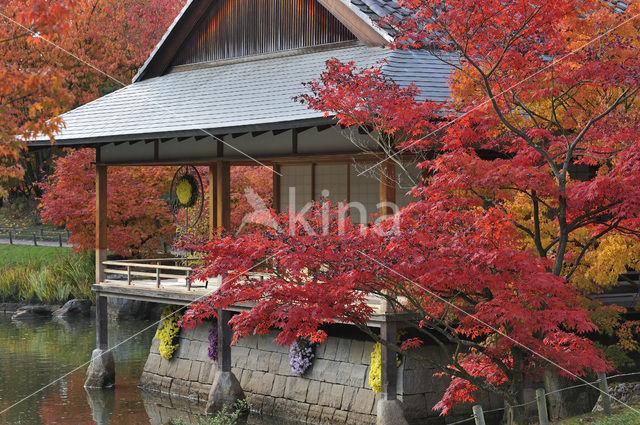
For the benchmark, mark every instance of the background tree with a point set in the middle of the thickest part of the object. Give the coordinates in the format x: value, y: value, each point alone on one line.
x: 33, y: 90
x: 139, y: 220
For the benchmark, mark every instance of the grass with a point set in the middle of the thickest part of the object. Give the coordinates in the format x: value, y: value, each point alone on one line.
x: 45, y: 275
x: 24, y: 254
x: 620, y: 416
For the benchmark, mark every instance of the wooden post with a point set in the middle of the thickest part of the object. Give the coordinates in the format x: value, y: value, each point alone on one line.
x: 387, y: 187
x: 388, y: 332
x: 543, y: 413
x: 223, y: 194
x: 35, y: 240
x: 102, y: 335
x: 212, y: 201
x: 157, y: 274
x: 60, y: 239
x: 277, y: 190
x: 224, y: 341
x: 10, y: 237
x: 606, y: 397
x: 478, y: 414
x: 101, y: 221
x: 128, y: 275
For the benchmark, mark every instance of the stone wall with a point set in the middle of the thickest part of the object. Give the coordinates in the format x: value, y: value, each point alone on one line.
x: 335, y: 390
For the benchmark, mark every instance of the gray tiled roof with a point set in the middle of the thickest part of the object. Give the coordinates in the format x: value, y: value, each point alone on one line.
x: 247, y: 94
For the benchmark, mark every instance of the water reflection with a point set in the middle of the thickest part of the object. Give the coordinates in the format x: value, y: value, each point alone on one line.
x: 34, y: 353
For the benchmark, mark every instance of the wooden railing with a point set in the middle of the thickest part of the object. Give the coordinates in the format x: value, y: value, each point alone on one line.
x: 156, y: 270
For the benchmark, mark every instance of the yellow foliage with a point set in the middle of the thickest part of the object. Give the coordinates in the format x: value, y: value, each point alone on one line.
x: 169, y: 332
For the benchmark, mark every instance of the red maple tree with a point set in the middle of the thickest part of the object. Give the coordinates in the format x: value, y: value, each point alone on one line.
x: 535, y: 184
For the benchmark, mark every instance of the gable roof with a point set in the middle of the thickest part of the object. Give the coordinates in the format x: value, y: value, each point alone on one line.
x: 236, y: 97
x: 354, y: 16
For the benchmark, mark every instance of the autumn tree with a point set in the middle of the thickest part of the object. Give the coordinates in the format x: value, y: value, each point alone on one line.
x: 543, y: 126
x: 33, y: 91
x: 459, y: 270
x: 139, y: 219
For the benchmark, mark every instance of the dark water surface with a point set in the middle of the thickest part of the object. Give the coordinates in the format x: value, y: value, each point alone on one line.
x: 35, y: 353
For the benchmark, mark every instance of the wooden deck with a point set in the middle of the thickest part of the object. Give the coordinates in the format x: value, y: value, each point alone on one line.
x: 169, y: 281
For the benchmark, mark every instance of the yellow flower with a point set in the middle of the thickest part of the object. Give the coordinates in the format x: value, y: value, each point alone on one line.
x: 168, y: 333
x: 184, y: 191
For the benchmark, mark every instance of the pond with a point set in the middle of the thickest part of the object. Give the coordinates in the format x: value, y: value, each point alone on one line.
x: 35, y: 353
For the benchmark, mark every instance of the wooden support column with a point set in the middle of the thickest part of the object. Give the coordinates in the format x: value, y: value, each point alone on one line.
x: 226, y: 390
x: 101, y: 372
x: 389, y: 332
x: 212, y: 201
x: 102, y: 334
x: 223, y: 194
x: 101, y: 221
x: 224, y: 341
x: 277, y: 190
x: 387, y: 187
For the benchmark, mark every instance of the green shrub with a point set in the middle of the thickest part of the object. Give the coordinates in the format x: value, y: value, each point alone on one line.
x: 224, y: 417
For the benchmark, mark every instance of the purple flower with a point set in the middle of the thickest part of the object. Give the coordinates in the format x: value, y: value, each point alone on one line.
x: 300, y: 356
x: 213, y: 341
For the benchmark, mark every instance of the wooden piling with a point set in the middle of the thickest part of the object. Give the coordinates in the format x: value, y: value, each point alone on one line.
x: 543, y: 413
x: 478, y: 415
x: 606, y: 397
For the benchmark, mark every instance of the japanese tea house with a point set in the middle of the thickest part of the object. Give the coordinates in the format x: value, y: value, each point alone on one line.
x: 218, y: 91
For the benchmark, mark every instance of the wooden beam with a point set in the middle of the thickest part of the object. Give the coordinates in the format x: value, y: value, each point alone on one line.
x: 211, y: 200
x: 101, y: 221
x: 358, y: 25
x: 387, y: 187
x: 294, y: 141
x: 223, y: 194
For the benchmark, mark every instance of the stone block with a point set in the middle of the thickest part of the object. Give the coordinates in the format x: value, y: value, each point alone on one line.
x: 359, y: 376
x: 279, y: 384
x: 344, y: 347
x: 246, y: 376
x: 267, y: 343
x: 314, y: 392
x: 356, y: 351
x: 183, y: 349
x: 326, y: 417
x: 330, y: 349
x: 339, y: 417
x: 366, y: 352
x: 194, y: 373
x: 262, y: 363
x: 315, y: 412
x: 183, y: 369
x: 325, y: 393
x: 285, y: 367
x: 153, y: 363
x: 268, y: 405
x: 296, y: 388
x: 252, y: 359
x: 274, y: 362
x: 335, y: 396
x: 205, y: 369
x: 254, y: 382
x: 348, y: 396
x: 344, y: 373
x: 360, y: 419
x: 266, y: 384
x: 317, y: 369
x: 239, y: 356
x: 250, y: 341
x: 363, y: 401
x: 163, y: 368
